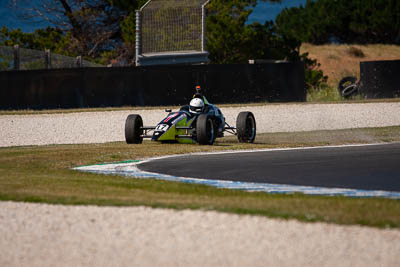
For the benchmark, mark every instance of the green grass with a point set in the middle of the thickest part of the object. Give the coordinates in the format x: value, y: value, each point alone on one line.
x: 328, y: 94
x: 331, y: 94
x: 43, y: 174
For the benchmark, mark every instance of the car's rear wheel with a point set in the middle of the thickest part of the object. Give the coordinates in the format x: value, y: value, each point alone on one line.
x: 205, y: 130
x: 246, y: 127
x: 133, y: 129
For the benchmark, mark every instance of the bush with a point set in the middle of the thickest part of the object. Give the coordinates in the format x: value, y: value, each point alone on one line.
x: 315, y: 78
x: 355, y: 52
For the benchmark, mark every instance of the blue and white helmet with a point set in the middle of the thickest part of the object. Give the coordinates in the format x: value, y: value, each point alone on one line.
x: 196, y: 105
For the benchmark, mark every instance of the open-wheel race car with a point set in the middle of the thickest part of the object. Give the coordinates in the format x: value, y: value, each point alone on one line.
x: 200, y: 122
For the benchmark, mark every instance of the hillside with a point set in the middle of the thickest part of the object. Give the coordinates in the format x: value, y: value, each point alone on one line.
x: 338, y: 61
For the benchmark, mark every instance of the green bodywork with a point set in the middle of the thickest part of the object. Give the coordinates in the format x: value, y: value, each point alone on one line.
x: 172, y: 132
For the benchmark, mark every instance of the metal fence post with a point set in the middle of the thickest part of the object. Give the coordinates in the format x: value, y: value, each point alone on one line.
x: 138, y: 37
x: 79, y: 61
x: 47, y: 59
x: 16, y: 57
x: 203, y: 26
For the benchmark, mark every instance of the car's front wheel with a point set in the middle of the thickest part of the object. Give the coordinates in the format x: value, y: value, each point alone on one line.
x: 205, y: 130
x: 133, y: 129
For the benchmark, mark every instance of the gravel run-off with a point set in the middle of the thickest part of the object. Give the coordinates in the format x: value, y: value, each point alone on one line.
x: 100, y: 127
x: 46, y: 235
x: 49, y: 235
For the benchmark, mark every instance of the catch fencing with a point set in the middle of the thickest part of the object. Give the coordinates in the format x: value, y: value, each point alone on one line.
x: 16, y: 58
x: 171, y: 32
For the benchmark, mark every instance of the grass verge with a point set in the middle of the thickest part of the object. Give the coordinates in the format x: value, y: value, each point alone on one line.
x: 42, y: 174
x: 330, y: 94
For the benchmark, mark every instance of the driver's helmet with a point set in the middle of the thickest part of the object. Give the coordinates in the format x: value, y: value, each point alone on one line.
x: 196, y: 105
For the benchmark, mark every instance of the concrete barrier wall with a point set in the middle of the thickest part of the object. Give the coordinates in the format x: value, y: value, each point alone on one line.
x: 151, y: 86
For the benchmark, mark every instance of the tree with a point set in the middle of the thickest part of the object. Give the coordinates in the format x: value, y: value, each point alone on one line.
x: 344, y: 21
x: 92, y: 26
x: 231, y: 40
x: 128, y: 24
x: 40, y: 39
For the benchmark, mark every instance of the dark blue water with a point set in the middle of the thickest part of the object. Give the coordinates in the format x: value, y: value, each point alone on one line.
x: 263, y: 12
x: 268, y: 11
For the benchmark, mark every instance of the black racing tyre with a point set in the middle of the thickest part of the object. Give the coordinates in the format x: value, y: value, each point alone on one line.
x: 246, y: 127
x: 205, y: 130
x: 348, y: 86
x: 133, y: 129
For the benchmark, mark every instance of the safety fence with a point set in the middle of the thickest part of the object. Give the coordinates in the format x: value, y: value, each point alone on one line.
x: 171, y: 31
x: 380, y: 79
x: 151, y: 86
x: 16, y: 58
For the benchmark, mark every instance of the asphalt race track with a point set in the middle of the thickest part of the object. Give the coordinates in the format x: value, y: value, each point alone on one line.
x: 369, y: 167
